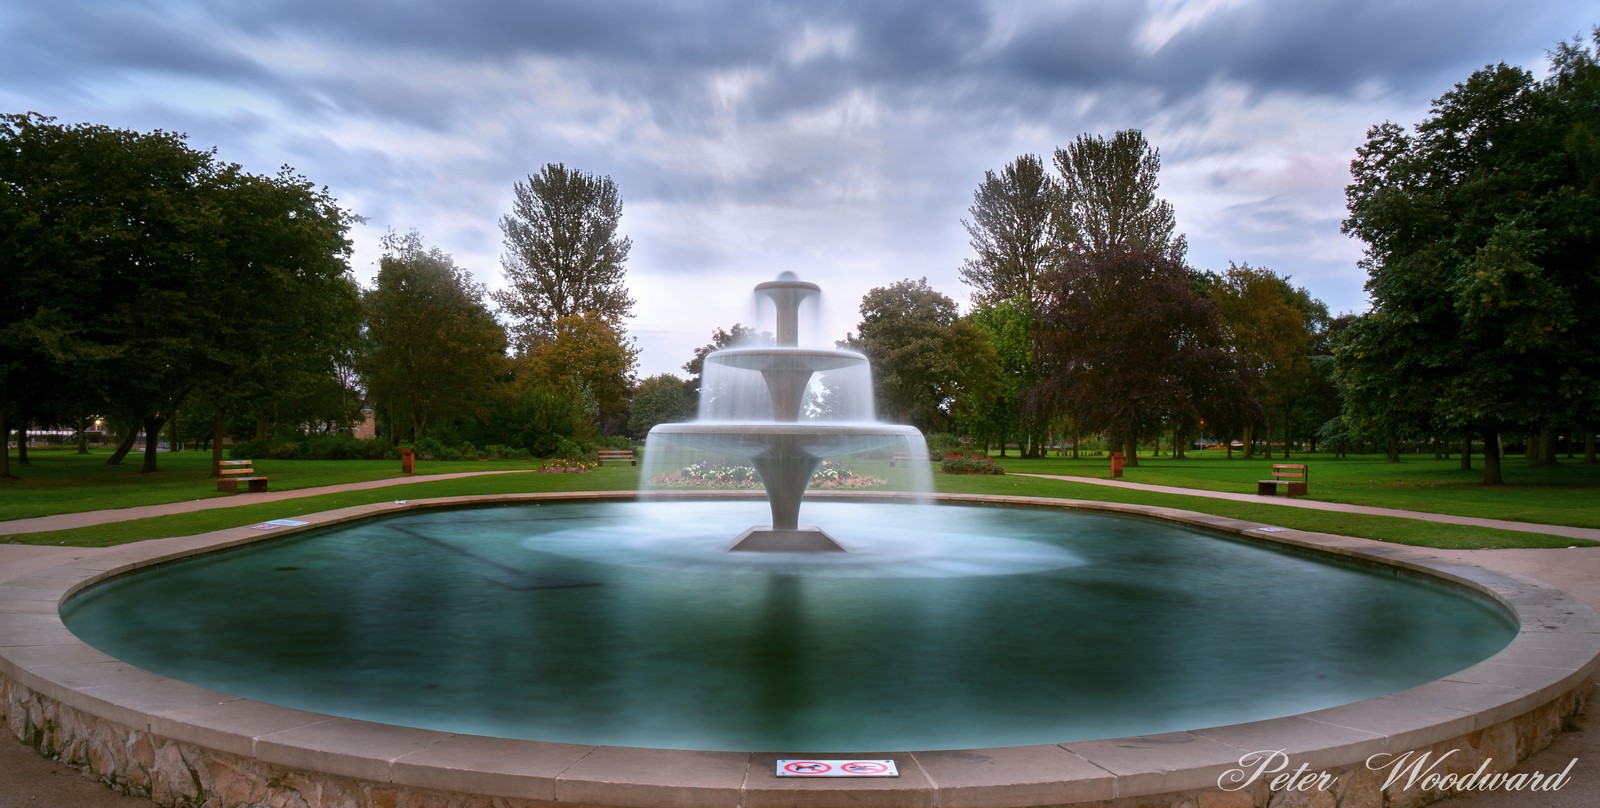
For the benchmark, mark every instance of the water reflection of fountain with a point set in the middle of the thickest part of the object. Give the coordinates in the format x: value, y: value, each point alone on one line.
x: 783, y: 409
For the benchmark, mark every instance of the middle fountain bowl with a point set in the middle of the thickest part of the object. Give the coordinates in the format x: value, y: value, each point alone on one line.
x: 783, y: 410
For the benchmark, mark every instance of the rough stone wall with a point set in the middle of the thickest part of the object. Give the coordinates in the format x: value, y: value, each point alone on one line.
x: 180, y: 775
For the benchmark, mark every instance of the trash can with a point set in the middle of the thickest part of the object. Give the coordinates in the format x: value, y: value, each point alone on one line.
x: 408, y: 461
x: 1116, y: 464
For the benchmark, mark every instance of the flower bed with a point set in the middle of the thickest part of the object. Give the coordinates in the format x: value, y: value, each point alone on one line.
x: 829, y: 475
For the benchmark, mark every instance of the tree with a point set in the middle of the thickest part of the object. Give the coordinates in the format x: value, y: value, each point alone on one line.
x: 1124, y: 375
x: 291, y: 311
x: 433, y: 350
x: 1482, y: 258
x: 924, y: 354
x: 1272, y: 326
x: 660, y: 399
x: 996, y: 414
x: 1011, y: 232
x: 143, y: 272
x: 738, y: 336
x: 590, y: 359
x: 1108, y: 198
x: 564, y: 256
x: 108, y: 238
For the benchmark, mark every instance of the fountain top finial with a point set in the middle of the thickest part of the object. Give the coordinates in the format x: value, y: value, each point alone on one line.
x: 786, y: 293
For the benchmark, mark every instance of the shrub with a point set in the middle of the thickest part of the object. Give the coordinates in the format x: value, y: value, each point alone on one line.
x: 495, y: 451
x: 943, y: 443
x: 970, y: 464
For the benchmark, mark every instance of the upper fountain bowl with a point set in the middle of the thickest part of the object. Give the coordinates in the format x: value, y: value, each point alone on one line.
x: 771, y: 358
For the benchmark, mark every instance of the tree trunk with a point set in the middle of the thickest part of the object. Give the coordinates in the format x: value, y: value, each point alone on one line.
x: 1130, y: 452
x: 1249, y: 442
x: 83, y: 438
x: 173, y: 443
x: 5, y: 448
x: 1157, y: 452
x: 1394, y: 449
x: 1466, y: 453
x: 152, y: 438
x: 1287, y: 424
x: 123, y: 448
x: 1491, y: 459
x: 1075, y: 442
x: 1266, y: 426
x: 1547, y: 448
x: 22, y: 443
x: 1588, y: 448
x: 216, y: 443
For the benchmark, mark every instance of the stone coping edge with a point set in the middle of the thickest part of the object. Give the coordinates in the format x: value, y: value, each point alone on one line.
x: 1504, y: 708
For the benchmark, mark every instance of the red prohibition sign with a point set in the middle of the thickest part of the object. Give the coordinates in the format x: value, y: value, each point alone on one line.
x: 864, y: 767
x: 807, y: 767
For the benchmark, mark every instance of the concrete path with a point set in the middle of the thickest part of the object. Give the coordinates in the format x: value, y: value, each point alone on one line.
x: 29, y: 781
x: 1257, y: 499
x: 66, y: 521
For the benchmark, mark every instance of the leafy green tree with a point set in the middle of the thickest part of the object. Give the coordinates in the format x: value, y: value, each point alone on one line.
x: 1108, y: 199
x: 995, y: 414
x: 1273, y: 326
x: 924, y: 355
x: 738, y: 336
x: 660, y: 399
x: 432, y: 349
x: 107, y: 236
x: 591, y: 359
x: 563, y: 254
x: 1482, y: 259
x: 1011, y: 232
x: 291, y: 310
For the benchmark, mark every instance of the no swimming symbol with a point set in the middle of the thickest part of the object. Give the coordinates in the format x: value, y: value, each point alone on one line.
x: 836, y: 768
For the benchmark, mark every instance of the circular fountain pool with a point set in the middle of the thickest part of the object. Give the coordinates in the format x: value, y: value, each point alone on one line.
x: 943, y: 627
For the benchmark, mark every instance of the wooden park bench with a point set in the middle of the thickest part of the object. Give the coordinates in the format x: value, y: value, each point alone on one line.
x: 617, y: 455
x: 232, y: 472
x: 1292, y: 476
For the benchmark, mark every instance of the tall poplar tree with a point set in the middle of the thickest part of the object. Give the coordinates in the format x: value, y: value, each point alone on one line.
x: 1108, y: 198
x: 563, y: 253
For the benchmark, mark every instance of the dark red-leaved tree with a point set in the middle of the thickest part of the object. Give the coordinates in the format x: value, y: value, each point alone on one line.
x: 1125, y: 344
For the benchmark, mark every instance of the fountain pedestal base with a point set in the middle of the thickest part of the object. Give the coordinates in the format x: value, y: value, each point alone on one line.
x: 785, y: 540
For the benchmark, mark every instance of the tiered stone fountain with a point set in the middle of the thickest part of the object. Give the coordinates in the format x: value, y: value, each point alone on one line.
x: 786, y: 441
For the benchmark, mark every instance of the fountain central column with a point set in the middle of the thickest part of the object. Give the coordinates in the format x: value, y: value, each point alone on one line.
x: 786, y: 446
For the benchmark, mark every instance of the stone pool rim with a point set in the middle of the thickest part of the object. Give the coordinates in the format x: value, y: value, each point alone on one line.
x: 57, y: 691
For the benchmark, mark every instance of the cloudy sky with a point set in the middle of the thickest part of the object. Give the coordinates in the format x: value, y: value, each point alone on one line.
x: 839, y: 140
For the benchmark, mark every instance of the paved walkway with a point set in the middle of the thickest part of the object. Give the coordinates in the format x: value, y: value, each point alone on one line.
x: 29, y: 781
x: 66, y: 521
x: 1257, y: 499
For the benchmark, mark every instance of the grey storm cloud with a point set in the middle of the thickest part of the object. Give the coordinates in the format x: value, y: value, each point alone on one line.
x: 745, y: 135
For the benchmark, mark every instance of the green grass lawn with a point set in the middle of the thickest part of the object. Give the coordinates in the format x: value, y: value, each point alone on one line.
x: 1565, y: 494
x: 64, y: 482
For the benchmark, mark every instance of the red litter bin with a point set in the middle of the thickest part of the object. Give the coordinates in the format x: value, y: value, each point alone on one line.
x: 408, y: 461
x: 1116, y: 464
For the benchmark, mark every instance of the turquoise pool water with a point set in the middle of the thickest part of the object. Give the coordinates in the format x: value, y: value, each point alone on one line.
x: 945, y: 627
